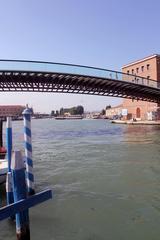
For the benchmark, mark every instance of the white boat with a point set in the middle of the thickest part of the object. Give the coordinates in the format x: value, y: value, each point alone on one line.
x: 60, y: 118
x: 69, y: 117
x: 3, y: 170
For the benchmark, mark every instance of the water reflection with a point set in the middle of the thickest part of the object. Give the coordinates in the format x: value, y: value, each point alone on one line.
x: 141, y: 134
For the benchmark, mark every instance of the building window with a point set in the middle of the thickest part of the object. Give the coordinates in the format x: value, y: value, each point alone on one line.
x: 148, y: 77
x: 137, y: 69
x: 128, y: 72
x: 132, y: 71
x: 148, y: 66
x: 142, y: 68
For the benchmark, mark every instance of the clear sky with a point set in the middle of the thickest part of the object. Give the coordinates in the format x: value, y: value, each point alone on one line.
x: 99, y: 33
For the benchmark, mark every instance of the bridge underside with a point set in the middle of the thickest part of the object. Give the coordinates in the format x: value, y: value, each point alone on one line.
x: 13, y: 81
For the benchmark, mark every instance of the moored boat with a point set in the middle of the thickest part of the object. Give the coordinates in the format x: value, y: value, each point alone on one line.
x: 3, y: 170
x: 60, y: 118
x: 3, y: 161
x: 3, y: 165
x: 69, y: 117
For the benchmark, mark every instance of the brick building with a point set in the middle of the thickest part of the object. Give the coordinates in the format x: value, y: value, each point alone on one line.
x: 11, y: 110
x: 149, y: 68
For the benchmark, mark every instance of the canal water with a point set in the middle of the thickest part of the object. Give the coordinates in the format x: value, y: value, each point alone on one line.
x: 105, y: 179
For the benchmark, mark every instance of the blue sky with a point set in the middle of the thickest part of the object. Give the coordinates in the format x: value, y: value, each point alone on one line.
x: 99, y: 33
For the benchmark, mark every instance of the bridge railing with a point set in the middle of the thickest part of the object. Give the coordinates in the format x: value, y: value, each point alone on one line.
x: 49, y: 67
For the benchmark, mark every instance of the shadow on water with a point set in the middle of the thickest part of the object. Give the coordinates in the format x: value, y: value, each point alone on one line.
x: 80, y: 133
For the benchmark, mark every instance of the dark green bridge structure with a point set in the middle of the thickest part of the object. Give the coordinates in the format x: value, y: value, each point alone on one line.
x: 36, y: 76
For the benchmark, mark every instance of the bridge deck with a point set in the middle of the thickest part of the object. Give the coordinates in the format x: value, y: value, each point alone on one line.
x: 28, y: 76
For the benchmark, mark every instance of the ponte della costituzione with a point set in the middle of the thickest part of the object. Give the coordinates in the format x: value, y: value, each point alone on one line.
x: 36, y: 76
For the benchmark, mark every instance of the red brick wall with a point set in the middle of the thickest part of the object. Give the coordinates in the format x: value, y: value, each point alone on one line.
x: 144, y: 68
x: 158, y: 68
x: 11, y: 110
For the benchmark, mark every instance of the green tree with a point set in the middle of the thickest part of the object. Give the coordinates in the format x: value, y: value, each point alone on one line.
x: 108, y: 107
x: 103, y: 112
x: 61, y: 112
x: 57, y: 113
x: 52, y: 113
x: 80, y: 110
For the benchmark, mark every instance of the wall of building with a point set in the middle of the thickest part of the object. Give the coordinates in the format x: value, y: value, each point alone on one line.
x: 111, y: 112
x: 11, y: 110
x: 148, y: 68
x: 158, y: 69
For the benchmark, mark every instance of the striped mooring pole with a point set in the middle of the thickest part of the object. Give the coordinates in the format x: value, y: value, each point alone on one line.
x: 20, y: 193
x: 1, y: 133
x: 9, y: 190
x: 28, y: 151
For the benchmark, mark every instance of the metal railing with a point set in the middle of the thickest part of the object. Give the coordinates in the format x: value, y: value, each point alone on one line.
x: 49, y: 67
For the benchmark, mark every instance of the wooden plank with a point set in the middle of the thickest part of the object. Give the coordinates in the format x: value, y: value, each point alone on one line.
x: 12, y: 209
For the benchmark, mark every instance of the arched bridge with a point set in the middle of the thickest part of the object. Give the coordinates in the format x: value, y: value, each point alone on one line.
x: 34, y: 76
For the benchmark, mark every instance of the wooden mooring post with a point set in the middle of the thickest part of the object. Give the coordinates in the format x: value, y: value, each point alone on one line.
x: 20, y: 182
x: 9, y: 190
x: 19, y: 193
x: 28, y: 151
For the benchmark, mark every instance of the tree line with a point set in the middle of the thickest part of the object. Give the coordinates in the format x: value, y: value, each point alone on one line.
x: 79, y: 110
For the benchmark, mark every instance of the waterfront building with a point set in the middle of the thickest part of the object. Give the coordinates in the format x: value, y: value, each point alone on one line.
x: 148, y: 67
x: 11, y: 110
x: 114, y: 112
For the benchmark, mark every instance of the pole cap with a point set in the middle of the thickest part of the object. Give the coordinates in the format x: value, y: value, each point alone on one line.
x: 9, y: 122
x: 26, y: 111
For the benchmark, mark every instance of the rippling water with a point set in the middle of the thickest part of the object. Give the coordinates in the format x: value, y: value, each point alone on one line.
x: 105, y: 178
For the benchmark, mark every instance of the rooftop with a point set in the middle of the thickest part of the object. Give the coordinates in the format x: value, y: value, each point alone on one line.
x: 141, y: 60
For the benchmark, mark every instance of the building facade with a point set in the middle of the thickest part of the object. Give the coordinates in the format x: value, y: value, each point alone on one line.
x: 11, y: 110
x: 148, y: 68
x: 114, y: 111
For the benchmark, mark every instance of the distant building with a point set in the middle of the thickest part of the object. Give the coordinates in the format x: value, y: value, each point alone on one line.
x: 149, y: 68
x: 114, y: 111
x: 11, y: 110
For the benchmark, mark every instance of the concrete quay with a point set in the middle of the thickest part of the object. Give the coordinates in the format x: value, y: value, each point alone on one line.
x: 130, y: 122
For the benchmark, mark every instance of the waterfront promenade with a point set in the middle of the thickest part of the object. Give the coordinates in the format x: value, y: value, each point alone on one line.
x: 140, y: 122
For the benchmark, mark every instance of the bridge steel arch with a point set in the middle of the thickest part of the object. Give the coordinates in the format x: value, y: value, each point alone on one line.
x: 36, y: 76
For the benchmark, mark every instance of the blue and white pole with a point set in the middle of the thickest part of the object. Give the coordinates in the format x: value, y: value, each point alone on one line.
x: 9, y: 141
x: 20, y: 193
x: 9, y: 190
x: 28, y: 151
